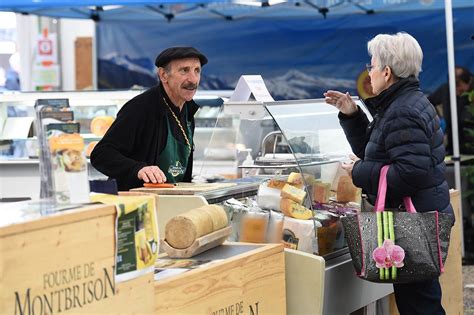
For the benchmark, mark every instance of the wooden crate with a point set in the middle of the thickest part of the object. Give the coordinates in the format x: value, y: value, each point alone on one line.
x: 252, y: 282
x: 64, y: 263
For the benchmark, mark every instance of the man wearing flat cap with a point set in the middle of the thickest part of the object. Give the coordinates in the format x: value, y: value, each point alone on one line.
x: 151, y: 140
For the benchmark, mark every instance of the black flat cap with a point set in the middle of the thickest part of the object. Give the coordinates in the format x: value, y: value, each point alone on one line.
x: 173, y: 53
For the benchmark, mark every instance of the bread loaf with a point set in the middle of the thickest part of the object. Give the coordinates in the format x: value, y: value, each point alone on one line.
x: 182, y: 230
x: 293, y: 193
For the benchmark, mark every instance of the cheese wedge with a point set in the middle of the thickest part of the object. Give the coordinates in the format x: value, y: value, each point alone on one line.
x: 321, y: 192
x: 293, y: 193
x: 296, y: 179
x: 346, y: 191
x: 276, y: 183
x: 295, y: 210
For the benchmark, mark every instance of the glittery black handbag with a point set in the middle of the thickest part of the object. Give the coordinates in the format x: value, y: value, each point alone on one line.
x: 395, y: 246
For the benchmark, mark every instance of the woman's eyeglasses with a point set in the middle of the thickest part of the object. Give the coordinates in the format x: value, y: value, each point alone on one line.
x: 369, y: 67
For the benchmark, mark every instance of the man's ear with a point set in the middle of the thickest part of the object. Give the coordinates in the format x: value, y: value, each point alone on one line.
x: 162, y: 74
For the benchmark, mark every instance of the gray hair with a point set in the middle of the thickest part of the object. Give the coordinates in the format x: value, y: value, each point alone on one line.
x: 167, y: 67
x: 401, y: 52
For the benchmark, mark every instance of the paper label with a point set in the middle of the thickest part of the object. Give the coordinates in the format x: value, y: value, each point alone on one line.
x: 251, y: 85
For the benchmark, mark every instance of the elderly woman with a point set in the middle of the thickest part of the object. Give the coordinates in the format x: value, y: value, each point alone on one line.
x: 406, y: 134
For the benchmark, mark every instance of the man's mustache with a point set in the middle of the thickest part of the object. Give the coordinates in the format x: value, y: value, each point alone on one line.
x: 190, y: 86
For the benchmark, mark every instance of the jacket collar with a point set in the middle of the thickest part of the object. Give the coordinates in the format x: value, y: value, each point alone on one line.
x: 382, y: 101
x: 191, y: 106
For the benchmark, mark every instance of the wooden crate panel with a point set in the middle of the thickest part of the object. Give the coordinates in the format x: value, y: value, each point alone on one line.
x: 251, y: 283
x: 67, y: 268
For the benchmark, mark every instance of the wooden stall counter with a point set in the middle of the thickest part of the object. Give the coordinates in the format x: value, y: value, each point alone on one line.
x: 62, y: 261
x: 240, y: 279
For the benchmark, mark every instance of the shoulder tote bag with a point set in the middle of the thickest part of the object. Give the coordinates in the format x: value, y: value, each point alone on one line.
x: 397, y: 246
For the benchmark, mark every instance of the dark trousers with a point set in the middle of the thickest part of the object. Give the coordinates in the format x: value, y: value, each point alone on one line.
x: 422, y: 298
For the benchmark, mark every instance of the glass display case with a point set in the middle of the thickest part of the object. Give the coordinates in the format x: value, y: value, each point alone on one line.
x: 18, y: 142
x: 285, y: 157
x: 17, y: 139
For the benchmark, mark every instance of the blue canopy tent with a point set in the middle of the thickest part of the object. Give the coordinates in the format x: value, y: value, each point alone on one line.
x: 300, y: 47
x: 130, y: 10
x: 327, y: 37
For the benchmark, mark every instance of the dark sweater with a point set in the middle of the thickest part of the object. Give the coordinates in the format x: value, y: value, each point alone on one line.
x: 406, y: 134
x: 137, y: 136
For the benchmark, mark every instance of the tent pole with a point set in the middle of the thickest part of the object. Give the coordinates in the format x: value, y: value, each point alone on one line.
x: 448, y: 9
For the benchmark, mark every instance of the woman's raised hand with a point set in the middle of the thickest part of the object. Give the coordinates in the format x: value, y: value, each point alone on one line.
x: 343, y: 102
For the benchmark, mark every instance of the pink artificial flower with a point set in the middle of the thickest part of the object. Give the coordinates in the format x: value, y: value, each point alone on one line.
x: 388, y: 255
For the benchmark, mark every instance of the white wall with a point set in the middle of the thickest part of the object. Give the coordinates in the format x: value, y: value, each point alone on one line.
x: 70, y: 30
x: 27, y: 33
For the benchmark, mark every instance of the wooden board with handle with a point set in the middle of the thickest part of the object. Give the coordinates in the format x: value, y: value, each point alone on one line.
x: 184, y: 188
x: 200, y: 245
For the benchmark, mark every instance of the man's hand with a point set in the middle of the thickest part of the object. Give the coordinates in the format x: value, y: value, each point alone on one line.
x: 348, y: 166
x: 343, y: 102
x: 151, y: 174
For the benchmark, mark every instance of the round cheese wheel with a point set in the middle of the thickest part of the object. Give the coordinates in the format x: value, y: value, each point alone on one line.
x: 90, y: 147
x: 182, y: 230
x: 218, y: 216
x: 100, y: 125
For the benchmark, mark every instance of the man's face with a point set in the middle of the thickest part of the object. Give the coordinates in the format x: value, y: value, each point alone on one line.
x: 461, y: 87
x: 181, y: 79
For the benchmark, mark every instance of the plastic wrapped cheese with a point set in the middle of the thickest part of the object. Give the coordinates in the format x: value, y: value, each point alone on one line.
x: 275, y: 227
x: 253, y: 227
x: 300, y: 235
x: 268, y: 198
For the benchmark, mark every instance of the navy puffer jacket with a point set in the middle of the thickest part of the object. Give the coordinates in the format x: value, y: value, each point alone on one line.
x: 406, y: 134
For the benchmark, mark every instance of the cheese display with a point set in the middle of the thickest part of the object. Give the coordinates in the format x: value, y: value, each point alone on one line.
x: 321, y: 192
x: 293, y: 193
x: 295, y: 210
x: 100, y: 125
x: 182, y: 230
x: 346, y: 191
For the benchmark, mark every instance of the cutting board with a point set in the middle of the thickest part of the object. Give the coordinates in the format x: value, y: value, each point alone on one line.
x: 185, y: 188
